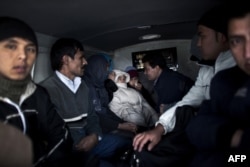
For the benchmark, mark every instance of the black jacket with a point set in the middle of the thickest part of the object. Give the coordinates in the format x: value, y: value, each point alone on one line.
x: 95, y: 75
x: 227, y: 111
x: 171, y: 86
x: 37, y: 118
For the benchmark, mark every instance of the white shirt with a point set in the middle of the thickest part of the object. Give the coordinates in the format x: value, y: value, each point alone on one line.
x: 73, y: 85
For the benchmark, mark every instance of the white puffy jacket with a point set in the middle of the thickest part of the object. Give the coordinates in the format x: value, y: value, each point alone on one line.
x: 129, y: 105
x: 200, y: 90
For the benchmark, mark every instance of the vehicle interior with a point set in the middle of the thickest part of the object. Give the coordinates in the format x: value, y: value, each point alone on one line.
x: 121, y: 29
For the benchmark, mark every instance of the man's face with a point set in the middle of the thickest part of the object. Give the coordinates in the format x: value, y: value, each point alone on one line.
x: 151, y: 73
x: 209, y: 42
x: 76, y: 65
x: 17, y: 57
x: 239, y: 40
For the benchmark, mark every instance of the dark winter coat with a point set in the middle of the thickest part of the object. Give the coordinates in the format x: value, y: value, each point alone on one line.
x: 37, y: 118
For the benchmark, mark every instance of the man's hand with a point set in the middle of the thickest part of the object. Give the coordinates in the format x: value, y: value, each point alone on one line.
x: 151, y: 137
x: 87, y: 143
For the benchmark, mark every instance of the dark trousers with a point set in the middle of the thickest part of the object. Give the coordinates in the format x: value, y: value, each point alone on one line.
x: 104, y: 151
x: 174, y: 149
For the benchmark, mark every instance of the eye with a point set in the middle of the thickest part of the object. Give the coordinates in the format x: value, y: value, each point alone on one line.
x: 11, y: 46
x: 235, y: 41
x: 31, y: 50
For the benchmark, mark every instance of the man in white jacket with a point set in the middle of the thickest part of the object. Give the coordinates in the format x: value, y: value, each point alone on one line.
x: 213, y: 44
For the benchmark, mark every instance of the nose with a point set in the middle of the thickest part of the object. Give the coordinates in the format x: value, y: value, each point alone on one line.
x: 84, y: 61
x: 22, y: 53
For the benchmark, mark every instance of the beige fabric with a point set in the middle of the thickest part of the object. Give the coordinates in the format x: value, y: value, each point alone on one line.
x: 15, y: 147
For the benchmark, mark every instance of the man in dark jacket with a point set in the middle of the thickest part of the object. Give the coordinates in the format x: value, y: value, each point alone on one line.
x: 170, y: 86
x: 220, y: 132
x: 25, y: 105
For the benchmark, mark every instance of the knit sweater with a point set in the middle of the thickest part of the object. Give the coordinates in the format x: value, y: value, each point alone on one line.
x: 76, y: 109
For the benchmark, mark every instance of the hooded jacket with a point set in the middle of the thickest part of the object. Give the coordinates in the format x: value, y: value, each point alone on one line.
x: 95, y: 79
x: 36, y: 117
x: 129, y: 105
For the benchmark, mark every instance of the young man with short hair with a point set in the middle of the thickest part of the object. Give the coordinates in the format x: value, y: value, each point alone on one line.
x: 216, y: 56
x: 221, y: 130
x: 24, y: 104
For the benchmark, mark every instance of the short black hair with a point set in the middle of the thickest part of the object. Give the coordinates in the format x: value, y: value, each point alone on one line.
x: 63, y: 46
x: 154, y: 59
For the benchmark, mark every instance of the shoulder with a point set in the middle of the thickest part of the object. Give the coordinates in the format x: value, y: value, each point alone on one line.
x: 41, y: 91
x: 227, y: 75
x: 48, y: 79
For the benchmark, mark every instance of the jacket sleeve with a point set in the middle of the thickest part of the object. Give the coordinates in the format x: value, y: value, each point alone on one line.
x: 55, y: 134
x: 124, y: 109
x: 109, y: 121
x: 194, y: 98
x: 93, y: 122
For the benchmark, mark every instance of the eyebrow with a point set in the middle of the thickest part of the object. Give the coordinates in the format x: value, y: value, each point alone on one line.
x: 12, y: 40
x: 235, y: 36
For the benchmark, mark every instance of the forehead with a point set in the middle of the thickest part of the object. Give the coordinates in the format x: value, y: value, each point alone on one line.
x: 18, y: 40
x: 239, y: 25
x: 146, y: 65
x: 122, y: 76
x: 204, y: 29
x: 79, y: 53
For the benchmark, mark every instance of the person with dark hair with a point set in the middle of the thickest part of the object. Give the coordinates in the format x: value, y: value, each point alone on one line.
x: 137, y: 85
x: 73, y: 99
x: 213, y: 46
x: 220, y: 131
x: 170, y: 86
x: 24, y: 104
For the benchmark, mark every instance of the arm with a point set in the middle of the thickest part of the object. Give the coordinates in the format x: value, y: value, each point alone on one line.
x: 54, y: 132
x: 109, y: 121
x: 121, y: 107
x: 151, y: 137
x: 194, y: 97
x: 93, y: 123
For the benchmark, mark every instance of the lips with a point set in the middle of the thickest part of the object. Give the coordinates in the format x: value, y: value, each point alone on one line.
x: 20, y: 69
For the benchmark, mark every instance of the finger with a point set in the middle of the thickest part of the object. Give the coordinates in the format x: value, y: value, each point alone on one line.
x: 136, y: 140
x: 139, y: 142
x: 151, y: 145
x: 144, y: 140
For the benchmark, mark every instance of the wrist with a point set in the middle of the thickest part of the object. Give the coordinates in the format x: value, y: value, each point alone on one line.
x: 159, y: 129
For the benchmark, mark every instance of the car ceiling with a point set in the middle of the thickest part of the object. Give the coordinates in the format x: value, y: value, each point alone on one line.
x: 110, y: 24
